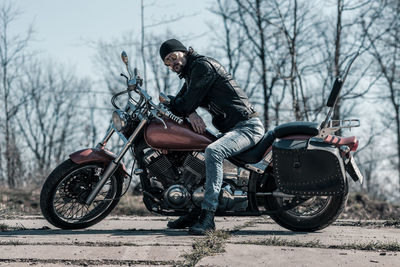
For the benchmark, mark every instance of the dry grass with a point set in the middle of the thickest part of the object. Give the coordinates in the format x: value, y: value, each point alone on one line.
x: 211, y: 244
x: 27, y: 202
x: 18, y: 202
x: 370, y: 246
x: 361, y: 207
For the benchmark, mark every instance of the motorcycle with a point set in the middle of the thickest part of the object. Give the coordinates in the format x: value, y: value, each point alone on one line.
x: 296, y: 174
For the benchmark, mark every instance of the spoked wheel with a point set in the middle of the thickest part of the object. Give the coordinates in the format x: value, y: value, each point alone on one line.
x: 305, y: 213
x: 63, y: 195
x: 310, y: 206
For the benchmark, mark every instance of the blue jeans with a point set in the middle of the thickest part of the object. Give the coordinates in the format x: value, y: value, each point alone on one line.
x: 243, y: 136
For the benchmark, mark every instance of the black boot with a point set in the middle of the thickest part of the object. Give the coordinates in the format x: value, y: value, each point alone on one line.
x: 205, y: 223
x: 184, y: 221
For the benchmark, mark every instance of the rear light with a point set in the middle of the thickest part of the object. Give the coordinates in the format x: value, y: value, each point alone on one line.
x: 355, y: 146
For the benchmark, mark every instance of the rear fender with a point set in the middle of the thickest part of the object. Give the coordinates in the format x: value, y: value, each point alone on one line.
x: 350, y: 141
x: 97, y: 155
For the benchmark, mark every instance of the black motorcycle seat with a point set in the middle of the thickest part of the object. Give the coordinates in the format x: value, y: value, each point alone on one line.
x: 297, y: 127
x: 256, y: 153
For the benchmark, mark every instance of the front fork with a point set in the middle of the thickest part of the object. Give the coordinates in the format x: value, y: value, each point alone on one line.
x: 112, y: 167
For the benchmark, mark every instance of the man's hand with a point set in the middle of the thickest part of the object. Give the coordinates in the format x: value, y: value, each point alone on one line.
x: 197, y: 122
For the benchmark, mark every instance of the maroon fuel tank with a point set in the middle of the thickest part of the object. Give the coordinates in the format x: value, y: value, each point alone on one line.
x: 176, y: 137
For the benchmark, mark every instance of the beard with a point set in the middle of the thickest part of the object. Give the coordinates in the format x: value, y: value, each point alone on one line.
x: 177, y: 68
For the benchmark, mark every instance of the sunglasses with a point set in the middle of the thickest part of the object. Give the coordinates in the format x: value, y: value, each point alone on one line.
x: 170, y: 58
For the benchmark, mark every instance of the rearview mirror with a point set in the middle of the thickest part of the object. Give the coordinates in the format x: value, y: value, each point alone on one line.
x: 124, y: 57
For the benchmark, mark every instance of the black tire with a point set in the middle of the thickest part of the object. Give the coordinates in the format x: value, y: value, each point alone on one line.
x: 69, y: 184
x: 296, y: 220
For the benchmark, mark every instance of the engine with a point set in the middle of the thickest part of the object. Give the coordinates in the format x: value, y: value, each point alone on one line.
x: 175, y: 176
x: 177, y: 180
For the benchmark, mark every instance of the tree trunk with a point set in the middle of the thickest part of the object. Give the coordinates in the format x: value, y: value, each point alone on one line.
x: 262, y: 55
x: 398, y: 141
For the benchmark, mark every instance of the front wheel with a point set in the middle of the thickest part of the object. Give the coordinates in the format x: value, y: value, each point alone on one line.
x: 62, y: 199
x: 312, y: 214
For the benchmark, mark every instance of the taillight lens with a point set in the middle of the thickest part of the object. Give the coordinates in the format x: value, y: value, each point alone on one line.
x: 355, y: 146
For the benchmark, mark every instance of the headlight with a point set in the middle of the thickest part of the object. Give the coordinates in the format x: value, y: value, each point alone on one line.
x: 119, y: 120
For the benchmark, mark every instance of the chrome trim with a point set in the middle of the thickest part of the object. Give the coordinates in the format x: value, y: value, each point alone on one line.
x: 151, y: 155
x: 123, y: 138
x: 258, y: 168
x: 107, y: 137
x: 131, y: 139
x: 239, y: 193
x: 353, y: 170
x: 119, y: 119
x: 112, y: 167
x: 335, y: 125
x: 344, y: 149
x: 275, y: 194
x: 262, y: 165
x: 138, y: 171
x: 199, y: 155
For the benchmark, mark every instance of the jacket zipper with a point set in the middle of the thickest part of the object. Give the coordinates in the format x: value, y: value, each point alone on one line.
x: 216, y: 109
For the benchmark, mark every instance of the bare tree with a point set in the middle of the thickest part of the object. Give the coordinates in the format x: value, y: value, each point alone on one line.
x: 294, y: 21
x: 108, y: 59
x: 385, y: 39
x: 245, y: 41
x: 49, y: 121
x: 277, y: 39
x: 346, y: 39
x: 159, y: 76
x: 235, y: 48
x: 13, y: 53
x: 232, y: 35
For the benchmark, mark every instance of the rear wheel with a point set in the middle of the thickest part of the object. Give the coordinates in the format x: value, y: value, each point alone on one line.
x: 311, y: 214
x: 62, y: 199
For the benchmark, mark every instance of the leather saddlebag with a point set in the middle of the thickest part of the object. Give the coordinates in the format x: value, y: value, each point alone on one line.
x: 304, y: 167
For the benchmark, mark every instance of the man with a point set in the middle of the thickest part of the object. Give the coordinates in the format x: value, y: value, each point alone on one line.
x: 208, y: 85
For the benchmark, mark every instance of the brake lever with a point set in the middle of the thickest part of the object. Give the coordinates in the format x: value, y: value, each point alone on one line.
x: 154, y: 112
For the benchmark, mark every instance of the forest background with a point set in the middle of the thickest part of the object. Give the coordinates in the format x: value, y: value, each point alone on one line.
x: 58, y: 72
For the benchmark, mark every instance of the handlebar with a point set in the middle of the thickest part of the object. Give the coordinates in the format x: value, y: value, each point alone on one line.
x: 134, y: 82
x: 160, y: 108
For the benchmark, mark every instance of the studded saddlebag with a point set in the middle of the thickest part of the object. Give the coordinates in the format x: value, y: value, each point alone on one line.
x: 304, y: 167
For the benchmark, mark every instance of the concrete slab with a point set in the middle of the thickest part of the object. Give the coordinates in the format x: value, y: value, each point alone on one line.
x: 252, y: 255
x: 146, y: 240
x: 124, y: 222
x: 70, y: 264
x: 332, y: 235
x: 131, y: 231
x: 123, y: 253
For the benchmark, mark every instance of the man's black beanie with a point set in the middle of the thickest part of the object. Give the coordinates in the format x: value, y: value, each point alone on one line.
x: 169, y: 46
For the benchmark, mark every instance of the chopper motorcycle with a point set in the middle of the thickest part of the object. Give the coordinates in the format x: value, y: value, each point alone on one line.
x: 296, y: 174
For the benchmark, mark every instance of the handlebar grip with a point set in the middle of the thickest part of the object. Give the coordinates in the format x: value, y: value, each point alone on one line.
x: 175, y: 118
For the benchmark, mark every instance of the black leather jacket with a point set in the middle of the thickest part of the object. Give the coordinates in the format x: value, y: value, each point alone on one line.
x: 209, y: 85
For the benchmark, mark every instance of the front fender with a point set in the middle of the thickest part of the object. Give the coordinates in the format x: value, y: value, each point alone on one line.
x: 97, y: 155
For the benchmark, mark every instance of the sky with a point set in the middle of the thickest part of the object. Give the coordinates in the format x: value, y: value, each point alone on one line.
x: 64, y: 29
